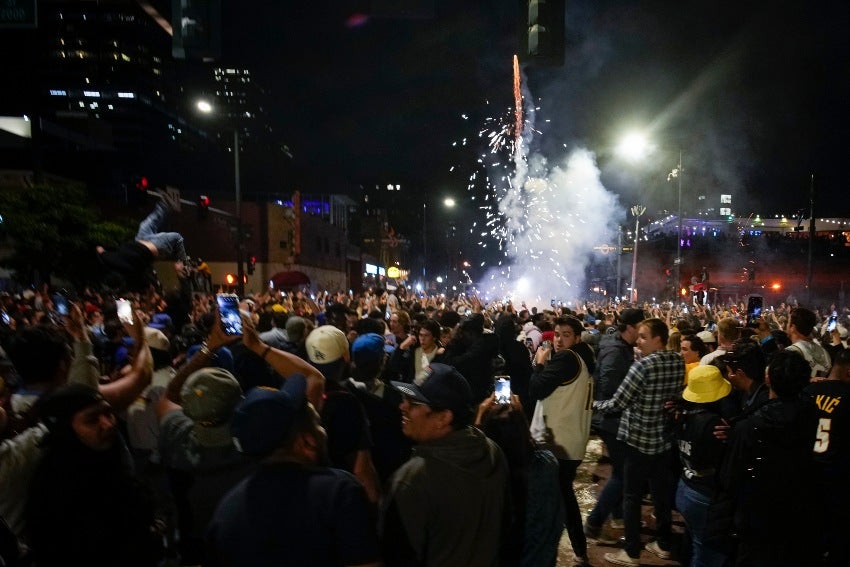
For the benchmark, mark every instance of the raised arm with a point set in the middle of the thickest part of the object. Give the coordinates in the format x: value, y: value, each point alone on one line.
x: 120, y: 393
x: 284, y: 363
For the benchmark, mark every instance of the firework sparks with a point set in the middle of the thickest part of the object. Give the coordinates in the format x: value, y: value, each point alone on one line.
x: 544, y: 219
x: 517, y: 100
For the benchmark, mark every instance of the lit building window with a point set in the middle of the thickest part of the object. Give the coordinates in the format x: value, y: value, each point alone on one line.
x: 93, y: 94
x: 58, y: 92
x: 126, y: 95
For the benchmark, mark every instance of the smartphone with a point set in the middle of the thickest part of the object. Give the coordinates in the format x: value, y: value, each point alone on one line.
x: 228, y: 308
x: 755, y: 304
x: 387, y: 315
x: 833, y: 323
x: 125, y: 311
x: 552, y: 302
x: 503, y: 389
x: 6, y: 319
x: 546, y: 345
x: 61, y: 304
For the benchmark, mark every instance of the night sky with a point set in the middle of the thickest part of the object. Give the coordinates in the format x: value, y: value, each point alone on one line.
x: 753, y: 93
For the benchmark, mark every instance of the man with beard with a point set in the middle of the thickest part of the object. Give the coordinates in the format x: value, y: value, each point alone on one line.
x: 86, y: 506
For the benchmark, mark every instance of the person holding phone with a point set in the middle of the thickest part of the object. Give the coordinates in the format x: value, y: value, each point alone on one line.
x: 411, y: 359
x: 563, y: 385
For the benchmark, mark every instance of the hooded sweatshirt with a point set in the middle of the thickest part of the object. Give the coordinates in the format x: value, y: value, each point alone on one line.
x: 446, y: 505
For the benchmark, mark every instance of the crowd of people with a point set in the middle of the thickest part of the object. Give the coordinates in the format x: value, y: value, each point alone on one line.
x: 363, y: 429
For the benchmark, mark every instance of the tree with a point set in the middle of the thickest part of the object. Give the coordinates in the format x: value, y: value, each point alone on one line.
x: 50, y: 230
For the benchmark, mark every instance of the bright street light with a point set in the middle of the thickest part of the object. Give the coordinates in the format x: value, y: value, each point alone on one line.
x: 204, y: 106
x: 633, y: 147
x: 449, y: 202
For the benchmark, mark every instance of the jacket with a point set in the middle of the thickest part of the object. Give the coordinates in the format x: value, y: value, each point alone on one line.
x: 447, y: 505
x: 612, y: 364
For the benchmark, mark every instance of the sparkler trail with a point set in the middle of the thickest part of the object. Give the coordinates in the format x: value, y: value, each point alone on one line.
x: 545, y: 218
x: 517, y: 100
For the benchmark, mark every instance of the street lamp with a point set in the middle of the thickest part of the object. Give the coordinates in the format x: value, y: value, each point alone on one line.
x: 677, y: 173
x: 448, y: 202
x: 637, y: 211
x: 634, y: 147
x: 206, y: 108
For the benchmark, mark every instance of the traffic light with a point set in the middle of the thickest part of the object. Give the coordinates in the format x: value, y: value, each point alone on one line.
x: 544, y: 33
x: 230, y: 279
x: 252, y: 264
x: 141, y: 183
x: 203, y: 206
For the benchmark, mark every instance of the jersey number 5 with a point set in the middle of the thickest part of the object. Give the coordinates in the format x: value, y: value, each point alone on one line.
x: 822, y: 437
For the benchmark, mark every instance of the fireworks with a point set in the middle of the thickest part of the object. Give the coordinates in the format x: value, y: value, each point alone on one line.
x: 543, y: 218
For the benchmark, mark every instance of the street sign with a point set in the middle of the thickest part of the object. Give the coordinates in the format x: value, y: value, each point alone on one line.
x: 18, y: 14
x: 605, y: 248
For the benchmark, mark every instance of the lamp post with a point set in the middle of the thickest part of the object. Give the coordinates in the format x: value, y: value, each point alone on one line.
x: 207, y: 108
x: 637, y: 211
x: 449, y: 203
x: 424, y: 245
x: 635, y: 147
x: 677, y: 173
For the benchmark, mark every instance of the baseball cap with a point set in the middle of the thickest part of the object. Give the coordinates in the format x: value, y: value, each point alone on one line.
x: 368, y: 347
x: 443, y: 387
x: 632, y: 316
x: 156, y: 339
x: 326, y: 344
x: 706, y: 384
x: 209, y: 397
x: 266, y: 416
x: 278, y: 308
x: 160, y: 321
x: 706, y: 337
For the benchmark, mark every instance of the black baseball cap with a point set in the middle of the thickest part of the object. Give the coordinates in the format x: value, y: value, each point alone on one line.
x: 443, y: 388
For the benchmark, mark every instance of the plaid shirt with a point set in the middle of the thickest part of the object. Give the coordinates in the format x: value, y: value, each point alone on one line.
x: 651, y: 381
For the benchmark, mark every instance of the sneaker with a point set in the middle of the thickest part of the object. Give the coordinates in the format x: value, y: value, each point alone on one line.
x: 598, y: 535
x: 655, y: 549
x: 581, y: 561
x: 621, y: 558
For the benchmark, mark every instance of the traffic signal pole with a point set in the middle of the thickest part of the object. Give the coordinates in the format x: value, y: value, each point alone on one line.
x: 240, y: 268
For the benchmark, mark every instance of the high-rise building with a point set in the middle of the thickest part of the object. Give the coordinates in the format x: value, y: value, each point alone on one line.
x: 101, y: 86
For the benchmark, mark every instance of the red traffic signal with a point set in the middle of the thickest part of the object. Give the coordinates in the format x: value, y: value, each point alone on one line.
x: 141, y: 182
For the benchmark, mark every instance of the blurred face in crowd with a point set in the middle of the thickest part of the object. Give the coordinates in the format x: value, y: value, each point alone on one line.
x: 688, y: 354
x: 565, y: 338
x: 95, y: 426
x: 427, y: 340
x: 395, y: 326
x: 646, y: 343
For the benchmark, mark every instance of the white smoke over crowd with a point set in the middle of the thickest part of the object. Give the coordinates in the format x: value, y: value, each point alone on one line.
x: 552, y: 215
